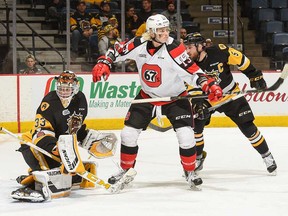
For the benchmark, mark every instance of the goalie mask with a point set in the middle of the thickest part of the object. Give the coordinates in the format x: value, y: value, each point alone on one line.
x: 67, y: 85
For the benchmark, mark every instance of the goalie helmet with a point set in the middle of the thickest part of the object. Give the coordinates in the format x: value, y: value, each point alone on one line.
x: 156, y: 21
x: 67, y: 85
x: 194, y: 38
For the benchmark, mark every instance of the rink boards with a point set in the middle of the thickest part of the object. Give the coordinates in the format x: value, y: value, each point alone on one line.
x: 109, y: 101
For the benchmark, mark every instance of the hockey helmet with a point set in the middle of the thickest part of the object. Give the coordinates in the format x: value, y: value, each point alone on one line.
x: 67, y: 85
x: 194, y: 38
x: 156, y: 21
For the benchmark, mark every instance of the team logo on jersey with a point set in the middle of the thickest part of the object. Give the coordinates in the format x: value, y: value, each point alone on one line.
x: 151, y: 75
x: 74, y: 123
x: 214, y: 74
x: 44, y: 106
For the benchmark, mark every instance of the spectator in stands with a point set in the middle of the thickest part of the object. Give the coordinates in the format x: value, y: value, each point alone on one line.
x: 110, y: 37
x: 82, y: 26
x: 146, y: 10
x: 94, y: 3
x: 104, y: 18
x: 108, y: 40
x: 132, y: 22
x: 183, y: 34
x: 208, y: 42
x: 31, y: 68
x: 172, y: 16
x: 54, y: 8
x: 142, y: 28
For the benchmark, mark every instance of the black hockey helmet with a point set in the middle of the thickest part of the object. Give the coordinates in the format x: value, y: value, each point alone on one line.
x: 194, y: 38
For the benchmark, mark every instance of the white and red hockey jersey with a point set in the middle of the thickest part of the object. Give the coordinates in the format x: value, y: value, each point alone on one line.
x: 162, y: 70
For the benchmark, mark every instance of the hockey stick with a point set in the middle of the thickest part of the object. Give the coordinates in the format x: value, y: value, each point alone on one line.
x: 274, y: 87
x: 159, y: 99
x: 115, y: 188
x: 210, y: 109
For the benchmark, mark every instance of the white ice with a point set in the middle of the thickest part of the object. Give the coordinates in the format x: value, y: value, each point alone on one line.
x: 235, y: 180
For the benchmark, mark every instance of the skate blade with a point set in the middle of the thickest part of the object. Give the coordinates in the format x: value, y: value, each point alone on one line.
x: 274, y: 173
x: 195, y: 188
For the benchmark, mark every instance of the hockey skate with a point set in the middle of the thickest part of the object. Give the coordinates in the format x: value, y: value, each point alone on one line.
x: 28, y: 195
x: 200, y: 161
x: 193, y: 180
x: 270, y: 164
x: 124, y: 176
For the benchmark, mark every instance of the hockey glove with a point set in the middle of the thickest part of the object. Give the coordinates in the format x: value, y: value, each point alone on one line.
x: 101, y: 69
x: 200, y: 108
x: 213, y: 90
x: 258, y: 81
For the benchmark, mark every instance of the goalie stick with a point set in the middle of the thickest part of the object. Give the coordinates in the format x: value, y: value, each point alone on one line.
x: 274, y: 87
x: 115, y: 188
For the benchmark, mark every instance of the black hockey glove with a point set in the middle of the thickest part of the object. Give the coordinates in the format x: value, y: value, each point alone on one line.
x: 257, y: 81
x: 200, y: 108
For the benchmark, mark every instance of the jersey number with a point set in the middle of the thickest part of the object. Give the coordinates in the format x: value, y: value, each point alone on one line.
x: 40, y: 122
x: 151, y: 75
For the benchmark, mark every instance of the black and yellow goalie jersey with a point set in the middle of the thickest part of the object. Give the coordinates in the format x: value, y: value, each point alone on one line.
x: 53, y: 120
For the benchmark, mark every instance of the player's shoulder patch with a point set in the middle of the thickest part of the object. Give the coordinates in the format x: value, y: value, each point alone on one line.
x: 44, y: 106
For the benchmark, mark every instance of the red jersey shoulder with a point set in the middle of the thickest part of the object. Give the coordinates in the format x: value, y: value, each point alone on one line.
x: 175, y: 48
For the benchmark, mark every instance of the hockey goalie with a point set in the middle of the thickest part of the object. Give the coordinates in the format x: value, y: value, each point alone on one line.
x: 59, y: 130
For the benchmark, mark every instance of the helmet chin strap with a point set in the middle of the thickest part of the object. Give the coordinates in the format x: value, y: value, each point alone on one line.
x: 157, y: 41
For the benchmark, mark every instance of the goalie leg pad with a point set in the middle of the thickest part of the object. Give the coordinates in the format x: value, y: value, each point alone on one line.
x: 69, y: 153
x: 52, y: 183
x: 49, y: 184
x: 90, y: 166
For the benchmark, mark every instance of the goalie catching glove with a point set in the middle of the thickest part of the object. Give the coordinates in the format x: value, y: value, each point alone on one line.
x: 99, y: 145
x: 102, y: 68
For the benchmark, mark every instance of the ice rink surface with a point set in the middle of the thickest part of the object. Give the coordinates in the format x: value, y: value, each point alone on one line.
x: 235, y: 180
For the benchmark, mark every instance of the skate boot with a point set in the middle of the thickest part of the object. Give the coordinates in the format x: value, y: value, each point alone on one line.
x: 25, y: 180
x: 193, y: 180
x: 116, y: 177
x: 200, y: 161
x: 28, y: 195
x: 270, y: 164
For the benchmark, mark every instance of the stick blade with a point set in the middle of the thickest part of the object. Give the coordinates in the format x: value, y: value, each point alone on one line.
x: 124, y: 181
x: 284, y: 73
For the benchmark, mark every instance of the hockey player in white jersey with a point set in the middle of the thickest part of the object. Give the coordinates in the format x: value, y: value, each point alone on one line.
x: 163, y: 67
